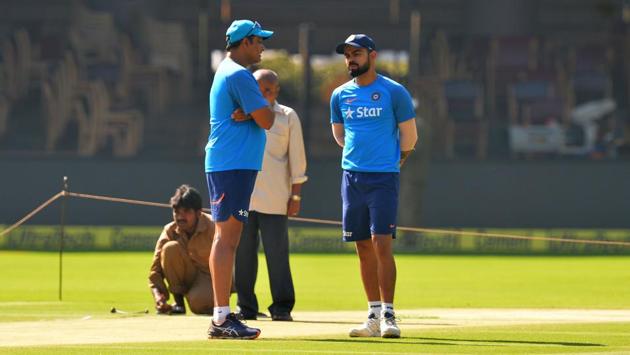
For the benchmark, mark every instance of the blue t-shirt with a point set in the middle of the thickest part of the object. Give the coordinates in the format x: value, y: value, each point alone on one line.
x: 370, y: 115
x: 234, y: 145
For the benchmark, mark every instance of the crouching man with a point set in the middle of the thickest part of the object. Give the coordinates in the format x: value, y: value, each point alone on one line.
x: 181, y: 257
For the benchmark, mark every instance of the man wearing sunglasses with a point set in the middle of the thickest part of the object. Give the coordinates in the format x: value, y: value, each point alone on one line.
x: 234, y: 155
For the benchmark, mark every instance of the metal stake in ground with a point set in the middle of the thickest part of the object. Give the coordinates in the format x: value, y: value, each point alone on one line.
x: 61, y: 232
x: 120, y: 311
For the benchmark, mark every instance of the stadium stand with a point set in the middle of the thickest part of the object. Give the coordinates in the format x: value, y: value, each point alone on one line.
x: 143, y: 58
x: 462, y: 106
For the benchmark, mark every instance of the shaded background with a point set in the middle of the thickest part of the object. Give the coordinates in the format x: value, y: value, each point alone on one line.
x: 113, y: 94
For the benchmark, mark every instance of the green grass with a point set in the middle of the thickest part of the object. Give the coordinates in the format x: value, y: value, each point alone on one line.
x: 540, y: 339
x: 94, y: 282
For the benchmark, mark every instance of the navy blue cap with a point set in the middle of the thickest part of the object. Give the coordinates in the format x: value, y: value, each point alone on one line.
x: 357, y: 40
x: 240, y: 29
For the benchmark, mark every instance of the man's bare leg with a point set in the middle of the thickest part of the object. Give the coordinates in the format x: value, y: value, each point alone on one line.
x: 386, y: 266
x: 369, y: 275
x: 224, y: 324
x: 369, y: 268
x: 227, y: 235
x: 387, y: 283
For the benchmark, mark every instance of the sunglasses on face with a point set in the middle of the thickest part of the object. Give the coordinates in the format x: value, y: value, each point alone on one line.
x: 251, y: 30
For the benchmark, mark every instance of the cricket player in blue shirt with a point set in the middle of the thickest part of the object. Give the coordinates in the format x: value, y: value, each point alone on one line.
x: 373, y: 119
x: 234, y: 155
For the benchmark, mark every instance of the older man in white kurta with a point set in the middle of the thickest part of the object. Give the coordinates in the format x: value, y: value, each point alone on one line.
x: 276, y: 196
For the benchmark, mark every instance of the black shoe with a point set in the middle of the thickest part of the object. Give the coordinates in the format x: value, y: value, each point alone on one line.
x: 249, y: 316
x: 284, y: 317
x: 232, y: 328
x: 261, y: 315
x: 178, y: 309
x: 246, y: 316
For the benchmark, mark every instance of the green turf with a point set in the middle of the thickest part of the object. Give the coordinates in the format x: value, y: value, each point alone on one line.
x: 539, y: 339
x: 94, y: 282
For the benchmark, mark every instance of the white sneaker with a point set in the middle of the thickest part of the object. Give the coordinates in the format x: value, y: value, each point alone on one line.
x: 370, y: 328
x: 389, y: 329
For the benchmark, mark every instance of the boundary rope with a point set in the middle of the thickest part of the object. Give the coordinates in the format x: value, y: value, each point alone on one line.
x: 31, y: 214
x: 320, y: 221
x: 477, y: 234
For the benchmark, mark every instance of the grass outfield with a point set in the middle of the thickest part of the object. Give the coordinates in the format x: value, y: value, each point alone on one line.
x: 94, y: 282
x: 331, y: 282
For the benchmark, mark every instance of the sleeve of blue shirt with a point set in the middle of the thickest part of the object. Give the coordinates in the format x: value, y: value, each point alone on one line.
x: 335, y: 110
x: 402, y: 104
x: 245, y: 92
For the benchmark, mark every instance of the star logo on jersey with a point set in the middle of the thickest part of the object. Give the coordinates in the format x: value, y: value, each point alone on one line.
x: 243, y: 213
x: 348, y: 113
x: 376, y: 96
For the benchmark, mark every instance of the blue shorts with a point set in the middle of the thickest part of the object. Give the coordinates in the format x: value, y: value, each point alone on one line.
x: 370, y: 204
x: 230, y: 192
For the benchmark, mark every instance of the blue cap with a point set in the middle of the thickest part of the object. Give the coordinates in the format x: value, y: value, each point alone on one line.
x: 240, y: 29
x: 357, y: 40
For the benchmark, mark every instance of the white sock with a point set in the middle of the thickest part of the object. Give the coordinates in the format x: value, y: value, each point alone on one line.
x: 374, y: 309
x: 387, y: 308
x: 219, y: 314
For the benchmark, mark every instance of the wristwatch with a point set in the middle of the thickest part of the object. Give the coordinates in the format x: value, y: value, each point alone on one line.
x: 296, y: 197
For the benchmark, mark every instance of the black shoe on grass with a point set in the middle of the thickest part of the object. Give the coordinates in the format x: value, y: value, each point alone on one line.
x: 251, y: 316
x: 283, y: 317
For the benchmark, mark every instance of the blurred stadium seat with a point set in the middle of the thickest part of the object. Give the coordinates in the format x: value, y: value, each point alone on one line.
x: 462, y: 107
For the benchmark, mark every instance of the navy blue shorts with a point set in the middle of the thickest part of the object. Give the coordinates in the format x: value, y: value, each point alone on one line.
x: 370, y: 204
x: 230, y: 192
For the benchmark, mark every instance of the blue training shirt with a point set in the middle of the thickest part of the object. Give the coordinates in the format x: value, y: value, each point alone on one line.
x: 370, y: 115
x: 234, y: 145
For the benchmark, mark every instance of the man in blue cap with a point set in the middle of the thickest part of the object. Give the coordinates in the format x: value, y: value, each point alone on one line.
x: 234, y: 155
x: 373, y: 119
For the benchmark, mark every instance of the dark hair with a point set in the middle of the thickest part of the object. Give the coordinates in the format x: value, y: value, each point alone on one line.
x: 238, y: 43
x: 187, y: 197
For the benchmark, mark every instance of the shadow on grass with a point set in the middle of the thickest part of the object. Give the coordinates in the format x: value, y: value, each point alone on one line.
x: 561, y: 343
x: 451, y: 341
x: 385, y: 341
x: 356, y: 323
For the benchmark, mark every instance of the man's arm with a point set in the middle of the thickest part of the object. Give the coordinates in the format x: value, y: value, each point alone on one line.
x: 408, y: 138
x: 156, y: 278
x: 263, y: 117
x: 297, y: 163
x: 246, y: 93
x: 239, y: 116
x: 339, y: 134
x: 294, y: 203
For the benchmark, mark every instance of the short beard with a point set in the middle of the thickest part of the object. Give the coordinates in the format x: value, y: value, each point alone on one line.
x: 360, y: 70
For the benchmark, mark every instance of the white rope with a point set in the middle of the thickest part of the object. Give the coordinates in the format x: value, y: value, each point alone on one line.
x: 326, y: 221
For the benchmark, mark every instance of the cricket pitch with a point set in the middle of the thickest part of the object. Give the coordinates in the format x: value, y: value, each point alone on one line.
x: 136, y: 328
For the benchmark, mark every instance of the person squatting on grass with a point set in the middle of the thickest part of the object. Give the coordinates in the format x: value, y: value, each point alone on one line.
x: 181, y: 257
x: 276, y: 196
x: 234, y: 155
x: 373, y: 119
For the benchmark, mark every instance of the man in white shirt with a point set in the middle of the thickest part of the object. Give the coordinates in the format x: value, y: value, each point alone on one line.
x: 276, y: 196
